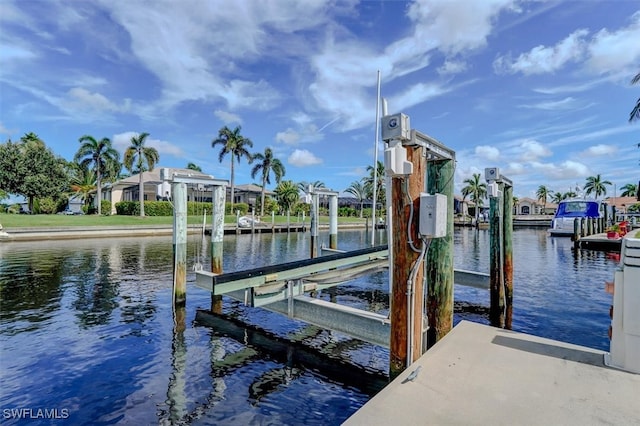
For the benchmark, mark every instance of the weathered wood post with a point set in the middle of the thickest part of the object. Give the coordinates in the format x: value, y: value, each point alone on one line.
x: 313, y: 245
x: 179, y: 195
x: 406, y: 165
x: 403, y: 261
x: 439, y: 263
x: 496, y: 280
x: 500, y: 190
x: 217, y: 239
x: 333, y: 221
x: 576, y: 233
x: 507, y: 245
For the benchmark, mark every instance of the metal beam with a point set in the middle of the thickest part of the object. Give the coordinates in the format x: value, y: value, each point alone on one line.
x: 435, y: 149
x: 221, y: 284
x: 257, y: 278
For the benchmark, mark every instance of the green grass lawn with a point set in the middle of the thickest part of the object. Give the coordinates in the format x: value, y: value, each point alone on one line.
x: 54, y: 220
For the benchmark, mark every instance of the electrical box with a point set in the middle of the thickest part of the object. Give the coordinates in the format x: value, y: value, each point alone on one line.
x: 395, y: 161
x: 492, y: 173
x: 433, y: 215
x: 396, y: 127
x: 493, y: 190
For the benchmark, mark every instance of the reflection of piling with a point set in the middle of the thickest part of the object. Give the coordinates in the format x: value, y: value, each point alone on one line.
x: 176, y: 395
x: 217, y: 236
x: 179, y: 243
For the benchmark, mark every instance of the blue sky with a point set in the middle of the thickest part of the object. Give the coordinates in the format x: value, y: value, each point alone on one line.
x: 540, y: 89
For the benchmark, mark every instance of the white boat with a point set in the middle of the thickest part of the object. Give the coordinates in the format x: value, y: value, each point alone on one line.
x: 247, y: 222
x: 571, y: 210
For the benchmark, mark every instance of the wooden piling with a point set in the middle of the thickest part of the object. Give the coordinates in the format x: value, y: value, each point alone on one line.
x: 179, y: 195
x: 313, y: 245
x: 333, y: 222
x: 496, y: 280
x: 403, y: 261
x: 217, y: 237
x: 439, y: 262
x: 507, y: 245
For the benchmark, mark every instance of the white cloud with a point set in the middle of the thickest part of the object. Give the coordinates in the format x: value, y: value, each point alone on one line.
x: 456, y: 25
x: 452, y: 67
x: 600, y: 150
x: 567, y: 170
x: 288, y: 137
x: 541, y: 59
x: 82, y: 98
x: 567, y: 103
x: 122, y: 141
x: 487, y: 152
x: 532, y: 150
x: 303, y: 158
x: 612, y: 51
x: 227, y: 117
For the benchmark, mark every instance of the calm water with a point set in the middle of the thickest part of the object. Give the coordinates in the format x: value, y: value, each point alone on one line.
x: 87, y: 329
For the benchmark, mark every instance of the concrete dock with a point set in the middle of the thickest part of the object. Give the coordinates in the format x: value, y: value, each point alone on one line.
x: 479, y: 375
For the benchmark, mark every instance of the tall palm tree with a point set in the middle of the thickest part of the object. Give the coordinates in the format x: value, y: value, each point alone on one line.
x: 516, y: 203
x: 143, y: 158
x: 368, y: 182
x: 596, y: 185
x: 194, y: 166
x: 476, y: 190
x: 543, y: 194
x: 635, y: 112
x: 287, y: 194
x: 100, y: 156
x: 629, y: 190
x: 235, y: 144
x: 358, y: 190
x: 268, y: 163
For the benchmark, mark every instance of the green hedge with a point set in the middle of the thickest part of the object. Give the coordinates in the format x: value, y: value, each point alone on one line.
x: 231, y: 208
x: 162, y: 208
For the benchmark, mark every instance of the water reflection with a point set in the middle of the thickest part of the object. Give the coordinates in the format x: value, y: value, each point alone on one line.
x: 89, y: 326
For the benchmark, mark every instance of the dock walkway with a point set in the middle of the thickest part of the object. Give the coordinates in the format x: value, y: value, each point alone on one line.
x: 480, y: 375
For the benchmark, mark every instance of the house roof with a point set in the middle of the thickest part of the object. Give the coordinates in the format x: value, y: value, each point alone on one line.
x: 153, y: 177
x: 621, y: 202
x: 250, y: 187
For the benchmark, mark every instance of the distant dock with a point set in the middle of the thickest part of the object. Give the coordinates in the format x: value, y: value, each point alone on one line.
x: 480, y: 375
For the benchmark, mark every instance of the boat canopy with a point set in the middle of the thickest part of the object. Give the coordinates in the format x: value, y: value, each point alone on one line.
x: 578, y: 209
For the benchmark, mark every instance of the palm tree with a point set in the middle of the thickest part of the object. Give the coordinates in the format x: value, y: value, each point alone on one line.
x: 629, y: 190
x: 516, y: 202
x: 100, y: 156
x: 476, y: 190
x: 368, y: 182
x: 287, y: 194
x: 193, y: 166
x: 303, y: 186
x: 635, y: 112
x: 358, y: 190
x: 596, y: 185
x: 268, y: 163
x: 569, y: 194
x: 543, y: 194
x: 556, y: 197
x: 235, y: 144
x: 83, y: 182
x: 143, y: 158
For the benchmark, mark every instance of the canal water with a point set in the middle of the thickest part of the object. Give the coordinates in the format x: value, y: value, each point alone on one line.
x: 87, y: 334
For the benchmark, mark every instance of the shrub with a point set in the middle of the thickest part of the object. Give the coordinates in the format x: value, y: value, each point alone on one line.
x: 105, y: 207
x: 127, y: 208
x: 47, y: 206
x: 231, y: 208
